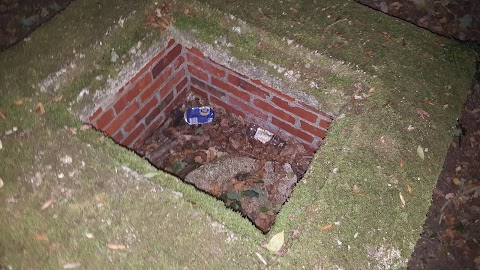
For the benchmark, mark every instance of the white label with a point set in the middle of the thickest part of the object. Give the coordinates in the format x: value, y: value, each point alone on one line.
x: 263, y: 135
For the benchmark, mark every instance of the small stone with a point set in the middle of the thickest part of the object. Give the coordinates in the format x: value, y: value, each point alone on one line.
x: 1, y: 182
x: 60, y: 175
x: 66, y: 159
x: 1, y: 145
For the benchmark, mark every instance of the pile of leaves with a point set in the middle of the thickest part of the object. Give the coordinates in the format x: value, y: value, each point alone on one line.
x: 452, y: 18
x: 180, y: 149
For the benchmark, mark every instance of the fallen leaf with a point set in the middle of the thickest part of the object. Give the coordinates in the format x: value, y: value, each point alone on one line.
x: 40, y: 237
x: 116, y: 246
x: 423, y: 113
x: 85, y: 127
x: 401, y: 162
x: 2, y: 115
x: 1, y: 183
x: 326, y: 227
x: 198, y: 159
x: 402, y: 199
x: 294, y: 9
x: 457, y: 181
x: 458, y: 168
x: 449, y: 196
x: 102, y: 200
x: 58, y: 98
x: 410, y: 191
x: 18, y: 102
x: 420, y: 152
x: 276, y: 242
x: 369, y: 54
x: 238, y: 186
x: 71, y: 265
x: 47, y: 204
x: 40, y: 108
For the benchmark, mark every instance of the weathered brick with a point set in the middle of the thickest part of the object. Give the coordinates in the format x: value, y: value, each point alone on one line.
x: 153, y: 61
x: 196, y: 52
x: 282, y: 114
x: 227, y: 107
x: 197, y: 73
x: 122, y: 118
x: 105, y: 119
x: 167, y: 60
x: 292, y: 130
x: 140, y: 115
x: 170, y: 85
x: 156, y: 84
x: 133, y: 135
x: 95, y: 114
x: 315, y: 110
x: 312, y: 129
x: 132, y: 93
x: 247, y: 108
x: 118, y: 137
x: 178, y: 63
x: 176, y: 101
x: 229, y: 88
x: 199, y: 92
x: 166, y: 100
x: 237, y: 81
x: 307, y: 115
x: 206, y: 65
x: 273, y: 90
x: 324, y: 124
x: 152, y: 115
x: 181, y: 85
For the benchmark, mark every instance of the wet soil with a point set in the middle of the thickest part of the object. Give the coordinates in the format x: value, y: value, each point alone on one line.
x: 261, y: 183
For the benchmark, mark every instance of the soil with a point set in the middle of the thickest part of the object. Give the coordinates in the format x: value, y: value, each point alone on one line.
x: 257, y: 186
x: 452, y: 229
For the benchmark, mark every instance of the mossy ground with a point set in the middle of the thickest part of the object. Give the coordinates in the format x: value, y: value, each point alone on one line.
x: 354, y: 182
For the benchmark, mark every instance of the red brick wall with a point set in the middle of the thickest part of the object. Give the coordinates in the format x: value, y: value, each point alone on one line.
x: 142, y: 104
x: 255, y: 101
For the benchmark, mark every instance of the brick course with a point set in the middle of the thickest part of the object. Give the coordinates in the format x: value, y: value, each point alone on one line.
x: 142, y: 104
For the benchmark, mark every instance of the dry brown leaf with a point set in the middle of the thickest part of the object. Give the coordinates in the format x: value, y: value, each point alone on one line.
x: 102, y: 200
x: 216, y: 189
x: 294, y: 9
x: 2, y: 115
x: 186, y: 11
x: 47, y: 204
x: 225, y: 122
x: 402, y: 199
x: 423, y: 113
x: 18, y: 102
x: 326, y: 227
x: 40, y: 237
x: 457, y: 181
x: 369, y: 54
x: 40, y: 108
x: 238, y: 186
x: 58, y: 98
x: 114, y: 246
x: 401, y: 162
x: 198, y: 159
x: 410, y: 190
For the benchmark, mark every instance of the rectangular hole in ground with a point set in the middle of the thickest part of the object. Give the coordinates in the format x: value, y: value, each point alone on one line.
x: 225, y: 157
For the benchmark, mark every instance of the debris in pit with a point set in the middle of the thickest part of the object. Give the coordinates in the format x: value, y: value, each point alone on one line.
x: 225, y: 160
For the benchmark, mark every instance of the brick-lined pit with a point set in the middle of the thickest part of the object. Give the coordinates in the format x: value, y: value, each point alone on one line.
x: 143, y: 103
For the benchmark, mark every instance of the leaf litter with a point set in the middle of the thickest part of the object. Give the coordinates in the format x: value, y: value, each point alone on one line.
x: 258, y: 193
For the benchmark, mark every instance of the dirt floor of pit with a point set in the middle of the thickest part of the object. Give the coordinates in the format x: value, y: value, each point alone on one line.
x: 205, y: 156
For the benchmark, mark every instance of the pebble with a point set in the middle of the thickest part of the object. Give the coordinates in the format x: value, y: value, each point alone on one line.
x: 1, y: 182
x: 1, y: 145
